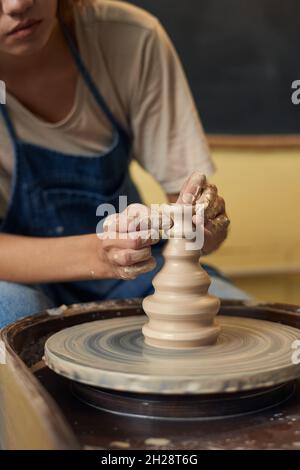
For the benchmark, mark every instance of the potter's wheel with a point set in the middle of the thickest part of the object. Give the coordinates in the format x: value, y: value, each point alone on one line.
x: 110, y: 365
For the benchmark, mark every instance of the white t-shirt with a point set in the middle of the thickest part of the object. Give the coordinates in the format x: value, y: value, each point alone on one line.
x: 137, y: 71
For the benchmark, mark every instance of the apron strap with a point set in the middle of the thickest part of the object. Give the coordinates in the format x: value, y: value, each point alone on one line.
x: 9, y: 125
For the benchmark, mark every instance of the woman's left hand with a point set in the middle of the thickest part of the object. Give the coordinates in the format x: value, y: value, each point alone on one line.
x: 196, y: 190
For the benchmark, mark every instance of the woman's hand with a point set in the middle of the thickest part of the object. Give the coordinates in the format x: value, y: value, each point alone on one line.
x: 127, y: 239
x: 196, y: 190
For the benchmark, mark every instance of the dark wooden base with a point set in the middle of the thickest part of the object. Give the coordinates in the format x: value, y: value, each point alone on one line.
x: 55, y: 419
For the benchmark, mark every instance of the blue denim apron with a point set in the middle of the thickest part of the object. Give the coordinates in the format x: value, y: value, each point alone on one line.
x: 56, y: 194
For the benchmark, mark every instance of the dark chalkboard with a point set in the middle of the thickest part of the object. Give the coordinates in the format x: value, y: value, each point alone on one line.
x: 241, y: 57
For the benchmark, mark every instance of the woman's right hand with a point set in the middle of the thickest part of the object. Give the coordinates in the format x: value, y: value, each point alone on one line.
x: 127, y: 239
x: 122, y: 251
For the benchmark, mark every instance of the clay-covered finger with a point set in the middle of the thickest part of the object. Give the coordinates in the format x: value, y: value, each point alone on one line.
x: 215, y: 233
x: 157, y: 220
x: 144, y: 238
x: 111, y: 223
x: 124, y: 221
x: 136, y: 217
x: 132, y: 272
x: 130, y: 257
x: 208, y: 199
x: 147, y: 219
x: 219, y: 224
x: 192, y: 188
x: 216, y: 208
x: 133, y: 215
x: 132, y: 240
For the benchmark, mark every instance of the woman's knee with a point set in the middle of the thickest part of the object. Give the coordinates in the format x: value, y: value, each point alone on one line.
x: 18, y: 301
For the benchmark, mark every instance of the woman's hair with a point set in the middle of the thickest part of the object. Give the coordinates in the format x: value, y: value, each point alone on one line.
x: 65, y: 7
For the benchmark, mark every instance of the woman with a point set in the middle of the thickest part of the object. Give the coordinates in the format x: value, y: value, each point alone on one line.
x: 65, y: 149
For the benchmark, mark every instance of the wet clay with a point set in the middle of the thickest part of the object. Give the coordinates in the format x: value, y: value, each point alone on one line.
x: 181, y: 313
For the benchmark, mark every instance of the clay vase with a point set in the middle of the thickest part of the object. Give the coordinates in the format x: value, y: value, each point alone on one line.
x: 181, y: 313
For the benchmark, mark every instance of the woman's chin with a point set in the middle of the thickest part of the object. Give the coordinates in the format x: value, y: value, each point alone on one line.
x: 24, y: 50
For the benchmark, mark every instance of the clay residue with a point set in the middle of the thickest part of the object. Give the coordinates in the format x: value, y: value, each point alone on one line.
x: 120, y: 444
x: 157, y: 442
x: 56, y: 312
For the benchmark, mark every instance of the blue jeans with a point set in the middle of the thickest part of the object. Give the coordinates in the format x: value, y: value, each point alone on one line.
x: 18, y: 301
